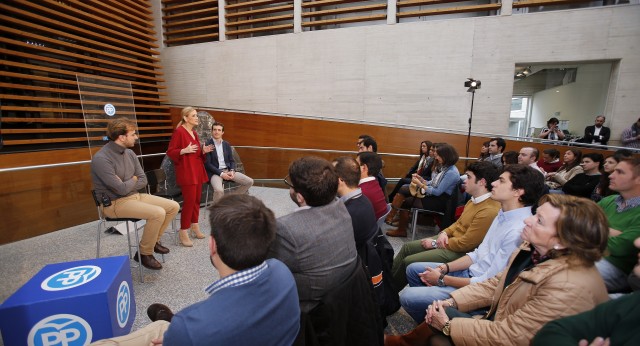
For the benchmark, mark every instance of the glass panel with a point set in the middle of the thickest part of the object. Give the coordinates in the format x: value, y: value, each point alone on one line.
x: 103, y: 100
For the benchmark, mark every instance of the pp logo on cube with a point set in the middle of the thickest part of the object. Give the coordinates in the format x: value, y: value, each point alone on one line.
x: 70, y: 278
x: 62, y: 329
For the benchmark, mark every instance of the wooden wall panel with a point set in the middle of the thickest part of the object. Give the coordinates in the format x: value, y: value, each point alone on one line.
x: 39, y: 201
x: 46, y: 45
x: 189, y: 22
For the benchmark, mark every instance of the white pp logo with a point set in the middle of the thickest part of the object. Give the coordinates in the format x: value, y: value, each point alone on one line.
x: 110, y: 109
x: 123, y: 304
x: 62, y: 329
x: 70, y: 278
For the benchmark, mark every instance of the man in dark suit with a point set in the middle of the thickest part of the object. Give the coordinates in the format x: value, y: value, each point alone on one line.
x: 316, y: 241
x: 598, y: 133
x: 221, y: 166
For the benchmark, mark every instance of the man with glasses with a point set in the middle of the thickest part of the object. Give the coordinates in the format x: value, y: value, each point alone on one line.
x: 315, y: 241
x: 117, y: 176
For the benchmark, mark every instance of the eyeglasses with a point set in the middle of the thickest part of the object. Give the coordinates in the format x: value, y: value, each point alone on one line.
x: 358, y: 144
x: 286, y: 181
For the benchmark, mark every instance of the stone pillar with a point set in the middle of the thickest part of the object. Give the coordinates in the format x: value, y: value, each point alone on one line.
x: 222, y: 21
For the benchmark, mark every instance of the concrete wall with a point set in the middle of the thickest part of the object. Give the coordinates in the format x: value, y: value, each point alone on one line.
x: 409, y: 73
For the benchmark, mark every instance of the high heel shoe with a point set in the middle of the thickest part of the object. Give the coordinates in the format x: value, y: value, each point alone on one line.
x: 184, y: 238
x: 195, y: 232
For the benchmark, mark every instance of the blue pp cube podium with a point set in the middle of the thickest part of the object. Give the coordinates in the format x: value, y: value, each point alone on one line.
x: 71, y: 303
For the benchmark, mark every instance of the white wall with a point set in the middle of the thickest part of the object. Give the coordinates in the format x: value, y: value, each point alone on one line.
x: 408, y: 73
x: 578, y: 102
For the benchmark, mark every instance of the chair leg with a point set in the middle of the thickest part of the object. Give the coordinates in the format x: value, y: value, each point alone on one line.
x: 414, y: 221
x: 137, y: 246
x: 98, y: 242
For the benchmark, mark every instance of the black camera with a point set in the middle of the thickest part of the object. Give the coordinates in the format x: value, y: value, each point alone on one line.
x: 106, y: 201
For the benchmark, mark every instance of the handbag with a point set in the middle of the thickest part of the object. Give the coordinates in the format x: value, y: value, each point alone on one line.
x: 415, y: 190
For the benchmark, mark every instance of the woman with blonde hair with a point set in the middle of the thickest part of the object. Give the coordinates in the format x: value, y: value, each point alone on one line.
x: 551, y: 275
x: 188, y: 157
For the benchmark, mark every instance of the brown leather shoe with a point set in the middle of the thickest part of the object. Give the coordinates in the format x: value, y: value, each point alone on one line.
x: 403, y: 221
x: 158, y: 311
x: 148, y: 261
x: 160, y: 249
x: 419, y: 336
x: 396, y: 233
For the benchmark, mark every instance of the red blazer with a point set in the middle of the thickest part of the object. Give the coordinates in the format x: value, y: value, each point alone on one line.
x: 189, y: 167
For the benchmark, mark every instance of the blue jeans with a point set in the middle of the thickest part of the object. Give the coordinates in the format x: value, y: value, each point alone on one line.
x: 418, y: 296
x: 614, y: 279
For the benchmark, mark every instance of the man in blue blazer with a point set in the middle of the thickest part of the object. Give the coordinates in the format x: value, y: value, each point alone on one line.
x: 221, y: 166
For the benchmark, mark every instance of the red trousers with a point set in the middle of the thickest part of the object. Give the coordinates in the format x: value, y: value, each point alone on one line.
x: 191, y: 195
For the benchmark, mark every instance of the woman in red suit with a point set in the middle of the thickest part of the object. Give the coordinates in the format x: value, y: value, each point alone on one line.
x: 184, y: 150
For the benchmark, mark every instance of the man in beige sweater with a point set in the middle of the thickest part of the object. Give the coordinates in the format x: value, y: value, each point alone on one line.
x: 461, y: 237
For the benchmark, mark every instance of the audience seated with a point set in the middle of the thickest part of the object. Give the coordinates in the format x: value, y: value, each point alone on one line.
x: 623, y: 213
x: 315, y: 241
x: 421, y: 167
x: 584, y: 184
x: 403, y: 192
x: 254, y: 302
x: 612, y: 323
x: 569, y: 169
x: 363, y: 218
x: 369, y: 144
x: 529, y: 156
x: 374, y: 249
x: 435, y: 192
x: 603, y: 190
x: 517, y: 189
x: 551, y: 275
x: 510, y: 158
x: 496, y: 147
x: 370, y: 165
x: 462, y: 236
x: 484, y: 151
x: 550, y: 161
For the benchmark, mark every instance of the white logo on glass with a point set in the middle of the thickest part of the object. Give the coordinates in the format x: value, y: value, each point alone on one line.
x: 110, y: 109
x: 62, y: 329
x: 123, y: 304
x: 70, y: 278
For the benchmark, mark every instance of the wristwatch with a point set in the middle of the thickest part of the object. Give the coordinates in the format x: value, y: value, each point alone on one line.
x: 434, y: 243
x: 441, y: 281
x: 446, y: 330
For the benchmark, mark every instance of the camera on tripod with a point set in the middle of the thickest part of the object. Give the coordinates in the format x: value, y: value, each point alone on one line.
x: 105, y: 200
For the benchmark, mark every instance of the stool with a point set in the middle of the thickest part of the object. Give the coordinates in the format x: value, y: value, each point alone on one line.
x: 71, y: 303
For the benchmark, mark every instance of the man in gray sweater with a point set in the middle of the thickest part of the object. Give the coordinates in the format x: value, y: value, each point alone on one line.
x: 117, y: 176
